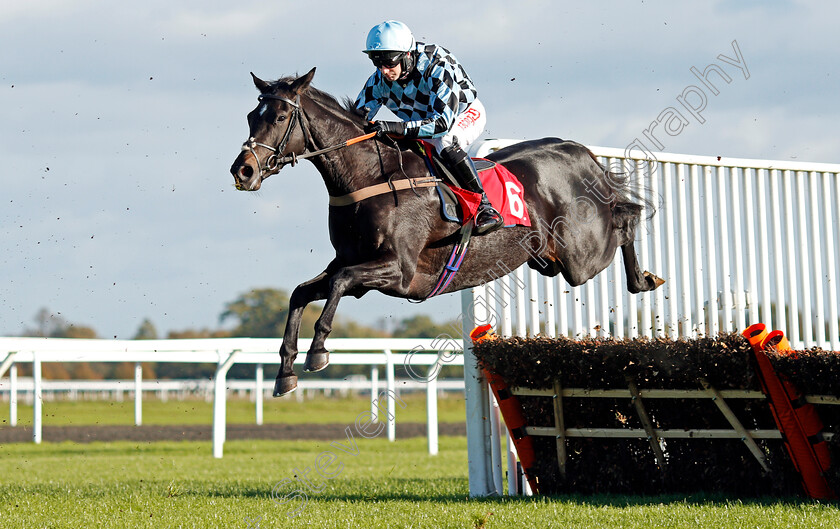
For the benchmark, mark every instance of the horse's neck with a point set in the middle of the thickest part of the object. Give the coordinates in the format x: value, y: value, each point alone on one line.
x: 351, y: 168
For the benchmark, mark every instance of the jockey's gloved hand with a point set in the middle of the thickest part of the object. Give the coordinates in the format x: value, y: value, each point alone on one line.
x: 396, y: 128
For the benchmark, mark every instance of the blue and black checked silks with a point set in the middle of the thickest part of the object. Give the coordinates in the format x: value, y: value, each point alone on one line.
x: 437, y: 90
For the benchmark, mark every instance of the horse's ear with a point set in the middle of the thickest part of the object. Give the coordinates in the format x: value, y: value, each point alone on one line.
x: 302, y: 83
x: 261, y: 85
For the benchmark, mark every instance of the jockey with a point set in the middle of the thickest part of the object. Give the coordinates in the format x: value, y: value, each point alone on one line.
x: 428, y: 89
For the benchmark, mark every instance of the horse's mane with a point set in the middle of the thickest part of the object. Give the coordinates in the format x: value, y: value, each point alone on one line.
x: 346, y: 106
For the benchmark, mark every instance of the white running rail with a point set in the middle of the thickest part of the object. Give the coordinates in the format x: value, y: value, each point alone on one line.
x: 420, y: 353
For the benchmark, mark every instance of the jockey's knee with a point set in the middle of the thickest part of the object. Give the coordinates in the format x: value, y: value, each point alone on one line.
x: 453, y: 154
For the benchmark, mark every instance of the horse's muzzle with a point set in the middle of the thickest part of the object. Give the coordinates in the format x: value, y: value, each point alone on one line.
x: 245, y: 177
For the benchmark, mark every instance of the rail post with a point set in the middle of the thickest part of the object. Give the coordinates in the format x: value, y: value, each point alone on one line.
x: 432, y: 410
x: 9, y: 363
x: 479, y: 459
x: 138, y: 394
x: 220, y: 403
x: 258, y: 394
x: 13, y: 382
x: 392, y: 406
x: 37, y: 414
x: 374, y: 391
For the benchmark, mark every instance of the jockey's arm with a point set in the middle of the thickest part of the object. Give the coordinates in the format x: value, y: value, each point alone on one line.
x: 368, y: 99
x: 443, y: 106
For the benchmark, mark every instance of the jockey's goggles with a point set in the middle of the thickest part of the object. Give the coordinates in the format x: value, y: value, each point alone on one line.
x: 387, y: 59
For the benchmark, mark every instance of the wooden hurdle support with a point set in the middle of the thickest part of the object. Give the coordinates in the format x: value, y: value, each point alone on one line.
x: 653, y: 431
x: 650, y: 431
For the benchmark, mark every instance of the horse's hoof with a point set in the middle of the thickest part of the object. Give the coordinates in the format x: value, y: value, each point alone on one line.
x: 285, y: 385
x: 316, y: 361
x: 656, y: 280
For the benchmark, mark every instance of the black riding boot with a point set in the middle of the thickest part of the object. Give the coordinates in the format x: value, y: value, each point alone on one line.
x: 487, y: 219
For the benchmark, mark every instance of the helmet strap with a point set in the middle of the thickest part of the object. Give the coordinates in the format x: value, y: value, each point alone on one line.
x: 408, y: 63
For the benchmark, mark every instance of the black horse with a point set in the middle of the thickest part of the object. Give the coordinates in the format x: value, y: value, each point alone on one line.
x: 397, y: 242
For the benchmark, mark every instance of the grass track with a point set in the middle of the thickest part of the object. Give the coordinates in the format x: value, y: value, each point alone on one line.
x: 178, y: 485
x: 239, y: 411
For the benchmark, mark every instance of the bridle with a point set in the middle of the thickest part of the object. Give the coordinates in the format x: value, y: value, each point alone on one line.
x: 276, y: 160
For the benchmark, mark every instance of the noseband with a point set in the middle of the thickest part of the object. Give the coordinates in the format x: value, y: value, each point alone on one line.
x: 276, y: 160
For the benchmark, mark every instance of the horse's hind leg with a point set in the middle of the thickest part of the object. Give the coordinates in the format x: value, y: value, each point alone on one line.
x: 637, y: 281
x: 626, y: 216
x: 305, y: 293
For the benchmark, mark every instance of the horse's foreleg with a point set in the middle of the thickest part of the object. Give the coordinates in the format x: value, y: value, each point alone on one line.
x: 305, y: 293
x: 372, y: 275
x: 637, y: 281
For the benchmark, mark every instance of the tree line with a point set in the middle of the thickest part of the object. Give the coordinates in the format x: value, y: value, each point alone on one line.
x: 258, y: 313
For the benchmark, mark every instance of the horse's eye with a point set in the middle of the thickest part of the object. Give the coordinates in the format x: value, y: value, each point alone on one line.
x: 281, y: 119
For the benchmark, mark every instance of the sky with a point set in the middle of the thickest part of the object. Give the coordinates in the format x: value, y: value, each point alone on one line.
x: 119, y: 122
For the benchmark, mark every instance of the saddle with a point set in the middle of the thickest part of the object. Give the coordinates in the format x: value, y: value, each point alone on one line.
x: 458, y: 205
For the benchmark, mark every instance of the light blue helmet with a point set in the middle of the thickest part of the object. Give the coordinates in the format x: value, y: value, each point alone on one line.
x: 390, y: 35
x: 389, y: 44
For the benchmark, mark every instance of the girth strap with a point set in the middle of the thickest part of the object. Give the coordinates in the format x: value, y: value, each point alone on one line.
x: 381, y: 189
x: 456, y: 258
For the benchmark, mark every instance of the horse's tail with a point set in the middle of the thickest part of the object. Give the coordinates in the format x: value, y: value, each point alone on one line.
x: 624, y: 189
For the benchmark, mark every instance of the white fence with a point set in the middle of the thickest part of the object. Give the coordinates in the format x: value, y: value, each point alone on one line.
x: 738, y: 242
x: 182, y: 389
x: 225, y: 352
